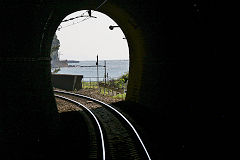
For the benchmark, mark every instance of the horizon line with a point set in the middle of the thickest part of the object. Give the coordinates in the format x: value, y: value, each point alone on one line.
x: 93, y: 60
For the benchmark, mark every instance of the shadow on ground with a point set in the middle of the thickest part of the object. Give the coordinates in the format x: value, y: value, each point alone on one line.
x: 70, y: 142
x: 178, y: 132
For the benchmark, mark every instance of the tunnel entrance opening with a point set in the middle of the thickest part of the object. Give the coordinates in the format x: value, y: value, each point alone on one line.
x: 132, y: 38
x: 113, y: 71
x: 180, y: 40
x: 90, y: 47
x: 129, y: 25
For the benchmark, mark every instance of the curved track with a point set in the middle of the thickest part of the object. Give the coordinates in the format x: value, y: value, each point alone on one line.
x: 93, y: 117
x: 120, y: 143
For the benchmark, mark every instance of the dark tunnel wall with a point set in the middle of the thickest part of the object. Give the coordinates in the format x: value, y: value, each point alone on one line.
x: 174, y: 68
x: 28, y: 105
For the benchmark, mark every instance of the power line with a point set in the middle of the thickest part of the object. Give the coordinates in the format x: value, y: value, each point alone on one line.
x: 72, y: 24
x: 70, y: 19
x: 82, y: 15
x: 101, y: 4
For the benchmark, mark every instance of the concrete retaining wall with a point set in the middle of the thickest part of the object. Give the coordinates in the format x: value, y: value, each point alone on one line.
x: 67, y: 82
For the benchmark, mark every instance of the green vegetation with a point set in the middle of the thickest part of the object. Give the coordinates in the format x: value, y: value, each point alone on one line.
x: 120, y: 96
x: 56, y: 70
x: 87, y: 85
x: 113, y: 87
x: 120, y: 82
x: 109, y: 92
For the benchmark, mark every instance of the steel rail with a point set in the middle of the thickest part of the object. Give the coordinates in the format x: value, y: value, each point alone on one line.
x: 120, y: 114
x: 95, y: 118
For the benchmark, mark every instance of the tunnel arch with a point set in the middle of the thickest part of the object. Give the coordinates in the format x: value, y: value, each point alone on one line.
x: 178, y: 40
x: 126, y: 22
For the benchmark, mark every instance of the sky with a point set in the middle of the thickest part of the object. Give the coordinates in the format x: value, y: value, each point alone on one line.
x: 87, y: 39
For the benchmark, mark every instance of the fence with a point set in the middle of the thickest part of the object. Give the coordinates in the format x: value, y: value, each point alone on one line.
x: 91, y: 82
x: 108, y: 87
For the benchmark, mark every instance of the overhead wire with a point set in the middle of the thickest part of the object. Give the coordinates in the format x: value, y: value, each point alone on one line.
x: 72, y: 23
x: 101, y: 4
x: 82, y: 15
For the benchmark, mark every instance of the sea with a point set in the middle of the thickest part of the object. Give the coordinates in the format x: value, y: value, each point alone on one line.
x: 114, y: 69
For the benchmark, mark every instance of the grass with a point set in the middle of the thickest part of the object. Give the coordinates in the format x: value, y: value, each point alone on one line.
x: 120, y: 96
x: 109, y: 93
x: 89, y: 85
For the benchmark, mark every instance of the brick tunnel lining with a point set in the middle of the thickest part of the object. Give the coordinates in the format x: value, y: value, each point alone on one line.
x: 172, y: 39
x: 168, y: 43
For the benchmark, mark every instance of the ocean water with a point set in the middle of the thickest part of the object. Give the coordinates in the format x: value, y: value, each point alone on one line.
x: 114, y: 69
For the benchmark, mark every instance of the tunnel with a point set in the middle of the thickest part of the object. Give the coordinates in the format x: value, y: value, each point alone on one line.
x: 174, y: 74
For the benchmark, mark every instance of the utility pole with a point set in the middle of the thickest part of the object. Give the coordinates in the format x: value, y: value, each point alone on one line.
x: 97, y: 69
x: 105, y: 74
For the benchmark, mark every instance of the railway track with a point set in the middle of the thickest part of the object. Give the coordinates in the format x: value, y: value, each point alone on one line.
x: 116, y: 136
